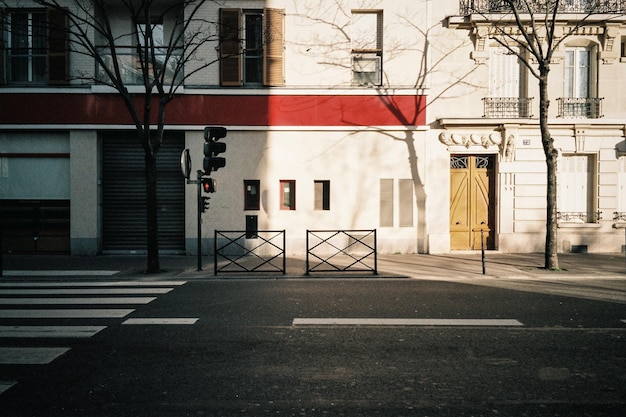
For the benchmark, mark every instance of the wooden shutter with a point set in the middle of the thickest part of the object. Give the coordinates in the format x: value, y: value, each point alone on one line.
x: 2, y: 47
x: 58, y: 47
x: 504, y: 73
x: 230, y: 47
x: 274, y: 48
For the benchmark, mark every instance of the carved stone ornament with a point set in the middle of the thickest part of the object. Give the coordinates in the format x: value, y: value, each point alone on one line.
x: 483, y: 140
x: 472, y: 139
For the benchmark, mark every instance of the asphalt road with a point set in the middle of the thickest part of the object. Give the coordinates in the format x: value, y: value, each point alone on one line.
x: 276, y: 348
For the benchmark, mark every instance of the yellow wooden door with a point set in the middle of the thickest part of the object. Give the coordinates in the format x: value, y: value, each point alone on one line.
x: 471, y: 206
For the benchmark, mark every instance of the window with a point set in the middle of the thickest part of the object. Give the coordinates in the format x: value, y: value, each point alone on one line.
x: 506, y: 85
x: 577, y: 68
x: 580, y: 87
x: 367, y: 47
x: 576, y: 188
x: 36, y: 47
x: 386, y: 203
x: 252, y: 47
x: 252, y: 194
x: 287, y: 194
x: 322, y: 195
x: 26, y: 54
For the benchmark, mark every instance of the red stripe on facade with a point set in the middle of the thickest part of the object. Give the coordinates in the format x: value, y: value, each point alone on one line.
x: 238, y: 110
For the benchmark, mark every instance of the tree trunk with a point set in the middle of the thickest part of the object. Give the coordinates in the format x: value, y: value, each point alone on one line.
x: 151, y: 212
x: 551, y: 256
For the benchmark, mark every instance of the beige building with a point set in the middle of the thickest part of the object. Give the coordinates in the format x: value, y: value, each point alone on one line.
x: 484, y: 109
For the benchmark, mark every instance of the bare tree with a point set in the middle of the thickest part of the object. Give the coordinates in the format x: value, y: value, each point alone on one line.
x: 537, y: 37
x: 158, y: 60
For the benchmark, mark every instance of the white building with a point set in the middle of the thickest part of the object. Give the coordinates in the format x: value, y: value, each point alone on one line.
x: 341, y: 115
x: 488, y: 128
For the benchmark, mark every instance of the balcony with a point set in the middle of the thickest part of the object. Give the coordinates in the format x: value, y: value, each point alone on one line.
x: 507, y: 107
x: 468, y: 7
x: 579, y: 217
x: 131, y: 71
x: 585, y: 108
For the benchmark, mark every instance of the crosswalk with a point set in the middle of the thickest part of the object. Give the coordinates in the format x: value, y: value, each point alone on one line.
x: 41, y: 304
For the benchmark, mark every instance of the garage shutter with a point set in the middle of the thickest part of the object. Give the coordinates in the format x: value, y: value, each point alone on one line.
x: 123, y: 194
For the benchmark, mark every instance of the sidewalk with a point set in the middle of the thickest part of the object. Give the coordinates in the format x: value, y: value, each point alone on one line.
x: 465, y: 265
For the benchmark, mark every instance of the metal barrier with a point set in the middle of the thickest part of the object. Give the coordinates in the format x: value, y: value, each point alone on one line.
x: 341, y: 250
x: 261, y: 251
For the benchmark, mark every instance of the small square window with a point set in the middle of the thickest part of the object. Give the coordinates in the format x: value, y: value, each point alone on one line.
x: 322, y: 195
x: 251, y: 198
x: 287, y: 194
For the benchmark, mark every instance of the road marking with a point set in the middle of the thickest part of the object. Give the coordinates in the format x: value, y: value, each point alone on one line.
x: 623, y: 321
x: 161, y: 321
x: 83, y: 291
x: 88, y: 301
x: 94, y: 284
x: 402, y: 322
x: 50, y: 331
x: 30, y: 355
x: 5, y: 385
x: 65, y: 313
x: 55, y: 273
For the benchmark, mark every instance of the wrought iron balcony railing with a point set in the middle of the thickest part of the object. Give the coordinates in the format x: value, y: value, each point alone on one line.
x: 507, y: 107
x: 540, y: 6
x: 579, y: 217
x: 619, y: 216
x: 589, y: 108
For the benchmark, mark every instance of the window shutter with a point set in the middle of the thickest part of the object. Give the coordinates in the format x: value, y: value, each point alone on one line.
x: 274, y: 48
x: 1, y: 46
x: 58, y: 47
x: 230, y: 47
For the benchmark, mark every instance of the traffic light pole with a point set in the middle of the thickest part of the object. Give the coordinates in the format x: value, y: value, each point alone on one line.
x: 199, y: 186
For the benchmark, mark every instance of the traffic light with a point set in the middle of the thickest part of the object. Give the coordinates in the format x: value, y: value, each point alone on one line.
x: 212, y: 148
x: 208, y: 185
x: 205, y: 203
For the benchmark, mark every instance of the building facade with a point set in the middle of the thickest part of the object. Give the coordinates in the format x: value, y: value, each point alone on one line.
x: 396, y: 115
x: 488, y: 127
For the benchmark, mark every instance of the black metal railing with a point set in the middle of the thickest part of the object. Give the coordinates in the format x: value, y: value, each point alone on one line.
x: 507, y: 107
x: 541, y: 6
x: 341, y: 250
x: 238, y: 251
x: 571, y: 107
x: 619, y: 216
x: 579, y: 217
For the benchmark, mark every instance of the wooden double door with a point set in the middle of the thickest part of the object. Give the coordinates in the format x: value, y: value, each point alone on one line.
x: 472, y: 201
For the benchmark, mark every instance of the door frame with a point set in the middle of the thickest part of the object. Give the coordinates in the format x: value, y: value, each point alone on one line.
x: 491, y: 242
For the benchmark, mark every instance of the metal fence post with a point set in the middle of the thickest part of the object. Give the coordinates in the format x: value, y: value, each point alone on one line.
x: 307, y: 253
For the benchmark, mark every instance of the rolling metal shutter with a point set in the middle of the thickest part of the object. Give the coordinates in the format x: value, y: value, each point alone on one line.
x: 123, y: 194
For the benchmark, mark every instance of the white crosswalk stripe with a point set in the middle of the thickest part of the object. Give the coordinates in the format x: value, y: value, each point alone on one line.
x: 49, y: 331
x: 84, y: 291
x: 30, y: 300
x: 30, y: 356
x: 72, y: 300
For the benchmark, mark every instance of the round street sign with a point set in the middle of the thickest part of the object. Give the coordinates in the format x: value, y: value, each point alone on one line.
x: 185, y: 163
